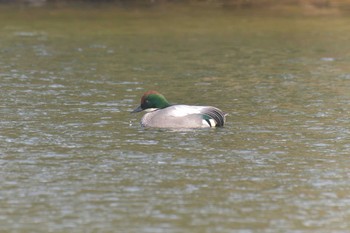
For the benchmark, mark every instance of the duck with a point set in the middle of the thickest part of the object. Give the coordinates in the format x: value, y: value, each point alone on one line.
x: 161, y: 114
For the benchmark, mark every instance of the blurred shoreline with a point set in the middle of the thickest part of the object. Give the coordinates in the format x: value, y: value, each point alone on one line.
x: 303, y: 7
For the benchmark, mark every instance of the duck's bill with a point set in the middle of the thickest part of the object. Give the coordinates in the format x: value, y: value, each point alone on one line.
x: 138, y: 109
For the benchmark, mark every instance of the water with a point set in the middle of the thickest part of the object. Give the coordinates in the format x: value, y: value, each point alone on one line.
x: 74, y: 160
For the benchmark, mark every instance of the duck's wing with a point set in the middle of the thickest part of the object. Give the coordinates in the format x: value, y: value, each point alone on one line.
x: 180, y: 110
x: 213, y: 116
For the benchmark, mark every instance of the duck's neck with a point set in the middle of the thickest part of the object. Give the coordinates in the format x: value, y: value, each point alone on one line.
x: 159, y: 101
x: 163, y: 103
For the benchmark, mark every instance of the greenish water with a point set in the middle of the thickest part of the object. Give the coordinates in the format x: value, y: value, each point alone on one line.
x: 74, y: 160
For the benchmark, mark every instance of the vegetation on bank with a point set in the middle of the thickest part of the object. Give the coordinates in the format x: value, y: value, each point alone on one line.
x: 313, y: 7
x: 233, y: 3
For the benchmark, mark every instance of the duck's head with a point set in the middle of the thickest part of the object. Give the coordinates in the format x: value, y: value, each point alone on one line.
x: 150, y: 101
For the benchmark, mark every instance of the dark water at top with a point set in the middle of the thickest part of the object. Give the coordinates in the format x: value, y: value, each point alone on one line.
x: 74, y: 160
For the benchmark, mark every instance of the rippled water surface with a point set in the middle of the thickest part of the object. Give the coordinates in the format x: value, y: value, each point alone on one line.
x: 74, y: 160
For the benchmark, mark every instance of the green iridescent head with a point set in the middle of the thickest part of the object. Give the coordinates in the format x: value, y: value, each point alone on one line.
x: 152, y: 100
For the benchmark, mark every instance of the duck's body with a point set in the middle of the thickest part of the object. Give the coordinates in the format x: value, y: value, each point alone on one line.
x: 160, y: 114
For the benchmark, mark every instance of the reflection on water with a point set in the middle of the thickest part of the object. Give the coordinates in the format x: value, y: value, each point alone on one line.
x: 73, y: 158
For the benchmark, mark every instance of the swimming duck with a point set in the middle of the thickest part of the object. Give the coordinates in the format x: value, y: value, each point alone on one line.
x: 161, y: 114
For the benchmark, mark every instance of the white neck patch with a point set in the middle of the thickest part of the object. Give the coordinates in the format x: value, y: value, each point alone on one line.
x: 151, y: 109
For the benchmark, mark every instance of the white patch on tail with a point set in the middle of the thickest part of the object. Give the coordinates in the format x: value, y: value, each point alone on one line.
x: 211, y: 123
